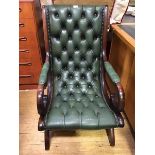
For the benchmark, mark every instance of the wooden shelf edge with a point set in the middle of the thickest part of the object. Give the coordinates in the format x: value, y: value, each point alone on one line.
x: 124, y: 36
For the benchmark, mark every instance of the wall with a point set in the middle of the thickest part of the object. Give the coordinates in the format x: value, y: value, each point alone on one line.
x: 84, y: 2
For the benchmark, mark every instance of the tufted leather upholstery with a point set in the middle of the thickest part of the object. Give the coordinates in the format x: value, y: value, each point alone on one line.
x: 75, y: 46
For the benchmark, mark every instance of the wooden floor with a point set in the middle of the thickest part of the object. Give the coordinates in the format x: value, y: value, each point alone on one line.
x: 67, y: 143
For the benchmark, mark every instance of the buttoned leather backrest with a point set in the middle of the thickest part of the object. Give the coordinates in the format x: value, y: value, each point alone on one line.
x: 75, y: 45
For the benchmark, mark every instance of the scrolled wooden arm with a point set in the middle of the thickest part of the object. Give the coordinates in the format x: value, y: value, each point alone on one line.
x: 116, y: 91
x: 41, y: 98
x: 118, y: 98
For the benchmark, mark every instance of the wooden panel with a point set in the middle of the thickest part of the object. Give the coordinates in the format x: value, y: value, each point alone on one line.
x: 31, y: 42
x: 27, y: 79
x: 26, y: 26
x: 30, y: 69
x: 27, y: 86
x: 121, y: 58
x: 28, y: 74
x: 33, y: 70
x: 25, y: 54
x: 130, y: 97
x: 32, y: 56
x: 27, y: 40
x: 25, y: 69
x: 124, y: 36
x: 25, y: 10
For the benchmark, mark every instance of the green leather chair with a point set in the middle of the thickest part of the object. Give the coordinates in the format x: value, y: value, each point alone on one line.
x: 83, y: 90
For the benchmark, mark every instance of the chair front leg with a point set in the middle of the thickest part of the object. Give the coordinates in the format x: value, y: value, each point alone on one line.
x: 47, y: 139
x: 111, y: 136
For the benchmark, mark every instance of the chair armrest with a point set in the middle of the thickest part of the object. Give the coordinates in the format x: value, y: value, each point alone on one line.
x: 115, y: 88
x: 111, y: 72
x: 44, y: 72
x: 41, y: 98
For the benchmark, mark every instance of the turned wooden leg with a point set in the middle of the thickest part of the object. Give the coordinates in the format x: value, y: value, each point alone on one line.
x: 47, y: 139
x: 111, y: 136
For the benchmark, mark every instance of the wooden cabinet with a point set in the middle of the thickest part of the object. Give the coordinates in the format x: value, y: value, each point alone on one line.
x: 122, y: 58
x: 130, y: 96
x: 31, y: 43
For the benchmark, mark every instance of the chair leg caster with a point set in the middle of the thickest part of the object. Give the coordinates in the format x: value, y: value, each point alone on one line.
x: 111, y: 136
x: 47, y: 139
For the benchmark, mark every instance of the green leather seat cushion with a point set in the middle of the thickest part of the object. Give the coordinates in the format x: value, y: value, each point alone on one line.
x: 80, y: 111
